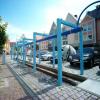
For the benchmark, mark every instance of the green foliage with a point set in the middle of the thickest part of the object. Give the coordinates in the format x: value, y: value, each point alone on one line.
x: 3, y: 35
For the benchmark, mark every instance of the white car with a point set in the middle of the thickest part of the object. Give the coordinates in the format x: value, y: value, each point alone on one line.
x: 46, y: 56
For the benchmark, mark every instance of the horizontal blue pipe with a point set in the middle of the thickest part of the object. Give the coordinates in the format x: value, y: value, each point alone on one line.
x: 75, y: 30
x: 67, y: 23
x: 41, y: 34
x: 28, y: 39
x: 29, y: 43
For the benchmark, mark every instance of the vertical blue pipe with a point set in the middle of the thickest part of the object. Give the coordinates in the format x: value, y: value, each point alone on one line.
x: 53, y: 44
x: 34, y: 51
x: 81, y: 54
x: 20, y: 52
x: 59, y: 43
x: 39, y: 55
x: 17, y: 51
x: 11, y: 53
x: 23, y: 52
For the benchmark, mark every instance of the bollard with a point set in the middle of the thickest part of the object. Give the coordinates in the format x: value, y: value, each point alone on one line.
x: 3, y: 57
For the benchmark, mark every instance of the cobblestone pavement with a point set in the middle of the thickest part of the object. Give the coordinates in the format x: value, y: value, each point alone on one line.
x: 92, y: 73
x: 10, y: 89
x: 45, y: 87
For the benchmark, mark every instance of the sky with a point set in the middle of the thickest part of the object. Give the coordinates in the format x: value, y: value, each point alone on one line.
x: 28, y: 16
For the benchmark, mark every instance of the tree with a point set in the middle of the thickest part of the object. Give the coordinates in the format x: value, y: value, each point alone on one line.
x: 3, y: 35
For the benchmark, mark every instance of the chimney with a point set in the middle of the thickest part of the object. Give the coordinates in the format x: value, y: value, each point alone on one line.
x: 98, y: 7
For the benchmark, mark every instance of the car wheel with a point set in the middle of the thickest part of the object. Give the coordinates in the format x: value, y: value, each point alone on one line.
x: 90, y: 63
x: 71, y: 63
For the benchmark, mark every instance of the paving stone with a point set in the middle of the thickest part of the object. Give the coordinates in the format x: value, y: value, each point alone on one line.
x: 47, y: 98
x: 56, y: 94
x: 62, y: 98
x: 69, y: 98
x: 14, y: 90
x: 46, y: 89
x: 81, y: 98
x: 65, y: 95
x: 53, y: 97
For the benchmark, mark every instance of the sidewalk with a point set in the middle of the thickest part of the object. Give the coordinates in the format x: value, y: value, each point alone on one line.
x: 45, y: 87
x: 10, y: 89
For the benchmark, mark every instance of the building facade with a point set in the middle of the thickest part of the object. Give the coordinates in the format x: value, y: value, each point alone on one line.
x: 65, y: 39
x: 43, y: 45
x: 91, y: 27
x: 7, y: 47
x: 96, y: 15
x: 53, y: 31
x: 71, y: 39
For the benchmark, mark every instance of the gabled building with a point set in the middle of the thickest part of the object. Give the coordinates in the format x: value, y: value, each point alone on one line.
x: 89, y: 30
x: 91, y: 27
x: 42, y: 45
x: 72, y: 38
x: 96, y: 15
x: 53, y: 31
x: 7, y: 47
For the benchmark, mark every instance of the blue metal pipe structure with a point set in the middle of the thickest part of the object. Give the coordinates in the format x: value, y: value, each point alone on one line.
x: 17, y: 52
x: 67, y: 23
x: 34, y: 50
x: 53, y: 45
x: 23, y: 51
x: 81, y: 38
x: 58, y: 36
x: 59, y: 46
x: 59, y: 43
x: 28, y: 39
x: 11, y: 53
x: 41, y: 34
x: 39, y: 55
x: 75, y: 30
x: 21, y: 54
x: 81, y: 54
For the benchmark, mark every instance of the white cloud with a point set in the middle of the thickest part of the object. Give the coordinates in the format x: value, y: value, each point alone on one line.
x: 63, y: 7
x: 59, y: 10
x: 15, y: 33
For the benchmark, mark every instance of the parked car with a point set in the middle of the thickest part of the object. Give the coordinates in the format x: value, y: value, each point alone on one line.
x: 41, y: 53
x: 46, y: 56
x: 56, y: 57
x: 66, y: 51
x: 89, y: 56
x: 96, y: 49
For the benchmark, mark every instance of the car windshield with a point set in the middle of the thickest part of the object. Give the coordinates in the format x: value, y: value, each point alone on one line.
x: 86, y: 50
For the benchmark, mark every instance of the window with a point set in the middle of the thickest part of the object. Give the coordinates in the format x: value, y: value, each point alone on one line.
x: 90, y: 37
x: 89, y: 27
x: 84, y: 28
